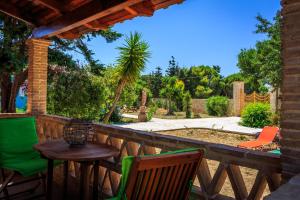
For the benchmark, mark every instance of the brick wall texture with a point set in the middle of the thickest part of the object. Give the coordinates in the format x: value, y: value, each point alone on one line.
x: 290, y: 110
x: 37, y: 75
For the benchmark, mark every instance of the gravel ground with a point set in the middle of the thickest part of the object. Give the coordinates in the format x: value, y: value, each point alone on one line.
x: 229, y: 124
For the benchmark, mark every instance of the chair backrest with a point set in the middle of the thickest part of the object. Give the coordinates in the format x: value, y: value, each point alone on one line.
x: 17, y: 137
x: 268, y: 133
x: 163, y: 177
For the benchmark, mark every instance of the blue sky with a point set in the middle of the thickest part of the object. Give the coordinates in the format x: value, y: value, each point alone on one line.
x: 196, y: 32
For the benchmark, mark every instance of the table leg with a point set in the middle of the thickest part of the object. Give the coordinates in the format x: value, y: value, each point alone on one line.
x: 84, y: 182
x: 66, y: 175
x: 96, y: 179
x: 49, y: 179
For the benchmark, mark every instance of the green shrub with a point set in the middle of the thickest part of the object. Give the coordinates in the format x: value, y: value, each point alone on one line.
x: 151, y: 112
x: 256, y: 115
x: 217, y: 106
x: 115, y: 117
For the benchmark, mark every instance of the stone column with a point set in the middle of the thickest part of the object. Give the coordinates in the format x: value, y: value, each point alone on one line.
x: 274, y: 100
x: 37, y: 75
x: 290, y: 102
x: 238, y: 97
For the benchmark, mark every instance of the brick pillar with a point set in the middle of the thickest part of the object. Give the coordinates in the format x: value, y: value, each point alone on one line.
x: 37, y: 75
x: 238, y: 97
x: 290, y: 107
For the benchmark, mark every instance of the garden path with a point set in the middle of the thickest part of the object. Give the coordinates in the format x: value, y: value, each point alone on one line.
x: 228, y: 124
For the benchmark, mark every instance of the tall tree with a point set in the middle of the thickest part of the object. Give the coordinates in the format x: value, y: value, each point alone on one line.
x: 156, y: 83
x: 262, y: 65
x: 132, y: 60
x: 173, y: 68
x: 173, y: 91
x: 13, y: 56
x: 203, y: 81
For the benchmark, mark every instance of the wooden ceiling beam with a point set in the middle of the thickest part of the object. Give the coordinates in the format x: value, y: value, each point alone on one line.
x: 11, y: 10
x: 131, y: 11
x: 82, y: 15
x: 52, y: 4
x: 96, y: 27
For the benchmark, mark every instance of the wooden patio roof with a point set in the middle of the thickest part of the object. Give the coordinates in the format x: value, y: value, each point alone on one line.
x: 71, y: 18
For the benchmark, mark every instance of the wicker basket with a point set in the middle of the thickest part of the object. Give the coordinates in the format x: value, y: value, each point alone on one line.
x: 77, y: 133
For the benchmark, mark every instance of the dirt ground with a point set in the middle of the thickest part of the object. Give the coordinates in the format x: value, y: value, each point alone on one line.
x: 220, y: 138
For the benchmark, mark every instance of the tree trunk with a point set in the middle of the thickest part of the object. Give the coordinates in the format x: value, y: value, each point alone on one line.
x: 118, y: 93
x: 5, y: 92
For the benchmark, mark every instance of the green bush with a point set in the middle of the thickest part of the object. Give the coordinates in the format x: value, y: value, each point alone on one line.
x: 151, y: 112
x: 159, y: 103
x: 115, y: 117
x: 217, y: 106
x: 257, y: 115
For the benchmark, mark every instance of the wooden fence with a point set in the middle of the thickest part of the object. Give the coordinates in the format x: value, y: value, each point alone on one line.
x: 256, y: 97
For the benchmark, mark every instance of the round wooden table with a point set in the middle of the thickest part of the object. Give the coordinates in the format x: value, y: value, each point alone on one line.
x: 89, y: 154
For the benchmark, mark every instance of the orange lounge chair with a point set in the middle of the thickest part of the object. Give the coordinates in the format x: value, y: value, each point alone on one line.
x: 266, y: 137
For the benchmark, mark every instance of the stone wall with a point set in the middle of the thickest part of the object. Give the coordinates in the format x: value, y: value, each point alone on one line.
x: 199, y: 106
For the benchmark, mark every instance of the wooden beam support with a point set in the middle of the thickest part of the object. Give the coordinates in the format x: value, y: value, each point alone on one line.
x: 96, y: 26
x: 11, y: 10
x: 131, y: 11
x: 83, y: 15
x: 52, y: 4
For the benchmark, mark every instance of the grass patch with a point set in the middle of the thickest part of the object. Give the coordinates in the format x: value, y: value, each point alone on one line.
x: 19, y: 110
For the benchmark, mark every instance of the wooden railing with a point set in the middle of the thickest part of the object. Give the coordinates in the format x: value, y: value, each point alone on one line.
x: 133, y: 142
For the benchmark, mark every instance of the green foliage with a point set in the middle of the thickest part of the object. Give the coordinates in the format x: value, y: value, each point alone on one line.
x: 132, y: 60
x: 188, y: 105
x: 263, y: 65
x: 256, y: 115
x: 217, y: 106
x: 173, y: 68
x: 151, y: 111
x: 154, y: 81
x: 116, y: 115
x: 228, y: 84
x: 76, y: 94
x: 13, y: 55
x: 159, y: 103
x: 202, y: 81
x: 173, y: 90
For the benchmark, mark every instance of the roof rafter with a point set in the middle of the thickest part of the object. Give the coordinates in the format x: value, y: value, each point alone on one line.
x: 11, y: 10
x: 83, y: 15
x: 52, y: 4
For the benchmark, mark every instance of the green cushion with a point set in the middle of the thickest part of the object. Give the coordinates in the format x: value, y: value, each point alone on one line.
x: 30, y: 167
x: 276, y: 151
x: 17, y: 137
x: 126, y: 166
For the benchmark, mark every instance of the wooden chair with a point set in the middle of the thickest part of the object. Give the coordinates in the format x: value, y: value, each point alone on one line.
x: 17, y: 137
x: 166, y: 177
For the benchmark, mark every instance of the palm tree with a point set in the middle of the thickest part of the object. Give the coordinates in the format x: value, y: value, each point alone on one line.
x: 133, y: 56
